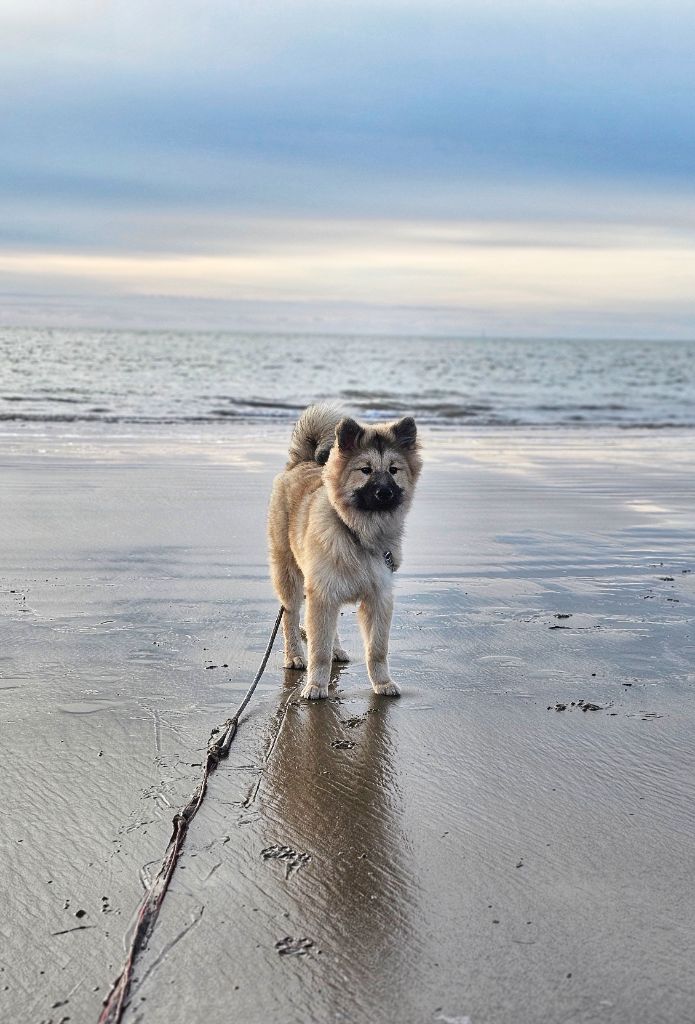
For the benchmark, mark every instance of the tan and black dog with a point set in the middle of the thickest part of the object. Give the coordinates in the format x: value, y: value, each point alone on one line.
x: 335, y: 525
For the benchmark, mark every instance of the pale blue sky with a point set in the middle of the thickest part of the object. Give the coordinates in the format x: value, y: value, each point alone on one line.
x: 522, y: 166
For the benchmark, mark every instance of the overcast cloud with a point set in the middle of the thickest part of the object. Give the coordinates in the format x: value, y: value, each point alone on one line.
x: 531, y: 162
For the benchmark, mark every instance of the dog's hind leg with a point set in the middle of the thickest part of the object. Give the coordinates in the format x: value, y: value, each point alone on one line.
x: 339, y: 652
x: 289, y: 586
x: 374, y: 615
x: 321, y: 620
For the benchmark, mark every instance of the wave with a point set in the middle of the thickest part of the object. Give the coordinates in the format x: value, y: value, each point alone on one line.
x: 127, y: 377
x: 431, y: 413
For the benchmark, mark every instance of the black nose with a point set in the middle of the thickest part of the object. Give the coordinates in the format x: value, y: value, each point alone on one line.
x: 383, y: 494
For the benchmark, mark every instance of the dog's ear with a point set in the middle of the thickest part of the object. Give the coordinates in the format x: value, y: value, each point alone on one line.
x: 405, y: 432
x: 348, y: 434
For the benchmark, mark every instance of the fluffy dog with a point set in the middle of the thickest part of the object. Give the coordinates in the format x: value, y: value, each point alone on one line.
x: 335, y: 525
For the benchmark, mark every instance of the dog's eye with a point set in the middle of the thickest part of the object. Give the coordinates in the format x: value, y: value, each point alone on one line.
x: 366, y: 470
x: 393, y: 470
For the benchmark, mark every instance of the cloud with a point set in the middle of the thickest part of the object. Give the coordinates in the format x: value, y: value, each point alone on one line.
x: 522, y: 267
x: 207, y: 147
x: 230, y: 95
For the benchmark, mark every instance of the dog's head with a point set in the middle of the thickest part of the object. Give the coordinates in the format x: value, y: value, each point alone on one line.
x: 372, y: 470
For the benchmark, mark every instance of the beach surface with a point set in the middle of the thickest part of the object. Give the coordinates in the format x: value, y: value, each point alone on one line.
x: 510, y: 842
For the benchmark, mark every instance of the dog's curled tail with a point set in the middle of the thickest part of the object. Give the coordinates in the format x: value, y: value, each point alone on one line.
x: 314, y: 433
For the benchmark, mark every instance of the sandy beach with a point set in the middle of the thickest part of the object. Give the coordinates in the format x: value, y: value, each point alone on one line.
x: 510, y: 842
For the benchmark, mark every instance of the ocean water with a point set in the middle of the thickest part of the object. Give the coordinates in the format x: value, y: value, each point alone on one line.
x: 73, y: 376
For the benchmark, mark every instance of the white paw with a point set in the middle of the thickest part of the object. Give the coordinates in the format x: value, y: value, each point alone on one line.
x: 388, y: 689
x: 339, y: 654
x: 296, y: 662
x: 313, y: 692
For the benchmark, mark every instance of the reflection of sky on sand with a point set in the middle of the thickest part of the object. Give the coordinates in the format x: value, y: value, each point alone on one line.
x: 527, y: 450
x: 532, y: 503
x: 253, y: 445
x: 219, y: 447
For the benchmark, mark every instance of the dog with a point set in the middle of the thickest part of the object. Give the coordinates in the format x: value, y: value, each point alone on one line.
x: 335, y: 525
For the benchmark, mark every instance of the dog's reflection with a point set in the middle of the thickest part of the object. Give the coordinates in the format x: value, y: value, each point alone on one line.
x: 331, y: 791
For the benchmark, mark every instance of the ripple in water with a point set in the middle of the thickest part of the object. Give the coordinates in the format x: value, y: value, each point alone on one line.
x: 71, y: 376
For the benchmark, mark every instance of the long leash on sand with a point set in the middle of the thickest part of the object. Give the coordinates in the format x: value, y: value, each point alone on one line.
x: 148, y: 911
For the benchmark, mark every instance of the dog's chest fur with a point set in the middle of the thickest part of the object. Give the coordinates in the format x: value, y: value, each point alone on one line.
x: 326, y: 551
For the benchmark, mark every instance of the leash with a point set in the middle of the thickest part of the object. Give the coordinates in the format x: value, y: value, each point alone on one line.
x: 148, y: 910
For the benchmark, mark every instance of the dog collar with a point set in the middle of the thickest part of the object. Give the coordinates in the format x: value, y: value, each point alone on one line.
x: 386, y: 555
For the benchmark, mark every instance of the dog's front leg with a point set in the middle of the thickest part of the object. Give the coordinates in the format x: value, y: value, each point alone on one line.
x: 374, y: 614
x: 321, y: 622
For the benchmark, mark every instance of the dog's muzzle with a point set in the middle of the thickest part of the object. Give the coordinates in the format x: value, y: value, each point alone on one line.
x: 379, y: 495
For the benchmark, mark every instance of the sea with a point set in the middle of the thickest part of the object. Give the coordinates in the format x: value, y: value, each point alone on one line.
x: 74, y: 376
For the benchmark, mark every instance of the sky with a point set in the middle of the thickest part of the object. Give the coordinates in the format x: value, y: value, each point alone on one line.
x: 502, y: 168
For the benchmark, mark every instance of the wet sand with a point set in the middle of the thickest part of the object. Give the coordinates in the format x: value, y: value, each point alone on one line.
x: 483, y: 849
